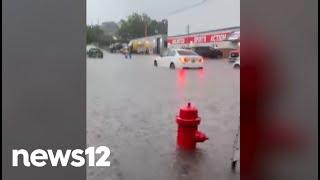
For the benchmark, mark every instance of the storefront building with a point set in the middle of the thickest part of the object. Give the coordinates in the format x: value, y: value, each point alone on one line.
x: 212, y: 23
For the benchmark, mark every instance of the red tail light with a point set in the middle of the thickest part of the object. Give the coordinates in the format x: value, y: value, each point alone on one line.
x: 183, y: 60
x: 200, y: 60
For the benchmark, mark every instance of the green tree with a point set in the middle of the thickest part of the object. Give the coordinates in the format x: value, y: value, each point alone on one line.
x: 137, y: 25
x: 95, y: 35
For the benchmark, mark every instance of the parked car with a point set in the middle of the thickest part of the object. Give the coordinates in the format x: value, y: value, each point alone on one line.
x: 234, y: 55
x: 179, y: 58
x: 208, y: 52
x: 95, y: 53
x: 236, y: 64
x: 116, y: 48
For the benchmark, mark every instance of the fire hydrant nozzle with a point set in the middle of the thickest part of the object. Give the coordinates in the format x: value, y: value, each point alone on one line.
x: 188, y: 134
x: 200, y: 137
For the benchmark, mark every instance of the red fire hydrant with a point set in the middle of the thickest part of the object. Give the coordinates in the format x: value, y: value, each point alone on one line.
x: 188, y: 134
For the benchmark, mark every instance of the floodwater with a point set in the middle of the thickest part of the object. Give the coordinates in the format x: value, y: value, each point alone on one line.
x: 131, y: 108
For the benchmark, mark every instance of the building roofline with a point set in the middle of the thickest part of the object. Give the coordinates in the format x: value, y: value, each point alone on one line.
x: 201, y: 32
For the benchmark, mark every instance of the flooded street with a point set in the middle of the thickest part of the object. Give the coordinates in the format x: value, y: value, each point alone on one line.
x: 131, y: 108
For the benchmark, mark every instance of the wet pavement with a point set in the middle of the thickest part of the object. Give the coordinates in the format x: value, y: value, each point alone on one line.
x: 131, y: 108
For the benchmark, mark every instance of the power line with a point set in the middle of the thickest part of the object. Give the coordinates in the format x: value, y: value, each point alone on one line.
x: 188, y: 7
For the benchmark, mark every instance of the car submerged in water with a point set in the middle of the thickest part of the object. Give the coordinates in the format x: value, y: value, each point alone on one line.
x: 179, y: 58
x: 234, y: 55
x: 208, y: 52
x: 236, y: 64
x: 95, y: 53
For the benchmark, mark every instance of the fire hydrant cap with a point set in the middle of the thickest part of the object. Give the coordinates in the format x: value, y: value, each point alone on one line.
x: 188, y: 112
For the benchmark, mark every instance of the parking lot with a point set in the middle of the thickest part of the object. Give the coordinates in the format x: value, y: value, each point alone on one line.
x: 131, y: 108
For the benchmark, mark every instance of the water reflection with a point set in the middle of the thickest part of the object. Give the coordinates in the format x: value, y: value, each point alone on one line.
x: 182, y: 73
x: 188, y: 80
x: 200, y: 73
x: 181, y: 78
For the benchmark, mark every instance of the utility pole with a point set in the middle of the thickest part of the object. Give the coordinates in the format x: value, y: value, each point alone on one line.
x: 188, y: 29
x: 145, y: 29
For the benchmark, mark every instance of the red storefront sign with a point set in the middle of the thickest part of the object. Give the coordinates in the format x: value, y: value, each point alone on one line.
x: 198, y: 38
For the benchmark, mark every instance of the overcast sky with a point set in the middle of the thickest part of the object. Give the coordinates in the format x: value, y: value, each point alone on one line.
x: 113, y: 10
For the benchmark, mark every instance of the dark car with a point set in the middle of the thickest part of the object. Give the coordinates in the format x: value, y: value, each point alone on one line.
x: 208, y: 52
x: 115, y: 48
x: 234, y: 55
x: 95, y: 53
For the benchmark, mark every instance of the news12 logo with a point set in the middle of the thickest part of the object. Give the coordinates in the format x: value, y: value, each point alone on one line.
x: 75, y: 158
